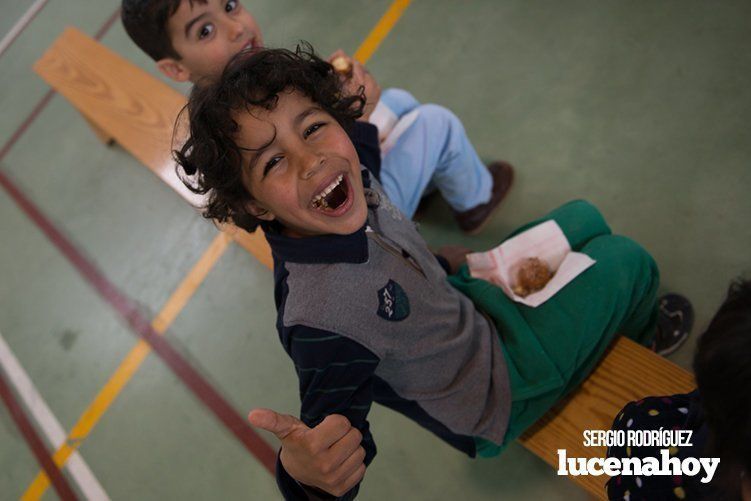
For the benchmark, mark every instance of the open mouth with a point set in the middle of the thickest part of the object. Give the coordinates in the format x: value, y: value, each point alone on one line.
x: 250, y: 44
x: 333, y: 197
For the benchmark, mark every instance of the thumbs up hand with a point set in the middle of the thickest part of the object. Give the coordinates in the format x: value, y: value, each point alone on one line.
x: 328, y: 457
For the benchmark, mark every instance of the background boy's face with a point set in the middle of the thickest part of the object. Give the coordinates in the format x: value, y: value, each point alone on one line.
x: 207, y: 35
x: 305, y: 172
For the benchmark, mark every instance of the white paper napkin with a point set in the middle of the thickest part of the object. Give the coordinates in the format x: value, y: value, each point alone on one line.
x: 546, y: 242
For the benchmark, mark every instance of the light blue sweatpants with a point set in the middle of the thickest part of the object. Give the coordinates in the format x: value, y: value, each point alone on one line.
x: 432, y: 153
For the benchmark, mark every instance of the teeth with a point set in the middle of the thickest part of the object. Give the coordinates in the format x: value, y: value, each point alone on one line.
x: 318, y: 200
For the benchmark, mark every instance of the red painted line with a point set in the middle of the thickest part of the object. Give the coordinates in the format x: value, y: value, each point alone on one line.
x: 140, y: 324
x: 46, y: 98
x: 107, y: 24
x: 26, y: 123
x: 59, y: 482
x: 127, y: 309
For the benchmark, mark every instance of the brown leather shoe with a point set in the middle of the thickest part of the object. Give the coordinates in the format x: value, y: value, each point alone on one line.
x: 473, y: 220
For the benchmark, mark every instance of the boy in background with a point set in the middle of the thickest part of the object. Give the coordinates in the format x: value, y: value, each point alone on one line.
x: 424, y: 146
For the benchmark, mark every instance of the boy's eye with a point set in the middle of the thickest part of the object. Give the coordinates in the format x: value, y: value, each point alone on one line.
x: 270, y: 164
x: 230, y: 6
x: 310, y: 130
x: 206, y: 30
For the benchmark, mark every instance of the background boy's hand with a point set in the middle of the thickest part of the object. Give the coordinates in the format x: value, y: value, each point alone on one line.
x: 456, y: 255
x: 360, y: 77
x: 328, y: 457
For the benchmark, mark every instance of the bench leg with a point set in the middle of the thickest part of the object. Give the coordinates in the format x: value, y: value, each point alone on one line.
x: 105, y: 138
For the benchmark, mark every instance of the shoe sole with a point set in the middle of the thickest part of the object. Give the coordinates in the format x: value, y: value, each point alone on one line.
x: 485, y: 222
x: 674, y: 347
x: 689, y: 313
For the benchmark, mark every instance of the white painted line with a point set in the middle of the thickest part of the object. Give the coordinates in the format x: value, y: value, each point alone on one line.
x: 20, y: 25
x: 56, y: 436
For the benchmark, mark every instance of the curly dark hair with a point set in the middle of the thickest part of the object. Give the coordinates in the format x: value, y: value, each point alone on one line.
x: 723, y: 375
x: 210, y: 162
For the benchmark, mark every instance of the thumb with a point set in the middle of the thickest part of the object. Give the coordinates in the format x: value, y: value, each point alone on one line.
x: 280, y: 425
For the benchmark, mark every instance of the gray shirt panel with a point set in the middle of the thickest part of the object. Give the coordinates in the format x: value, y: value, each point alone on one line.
x: 444, y: 354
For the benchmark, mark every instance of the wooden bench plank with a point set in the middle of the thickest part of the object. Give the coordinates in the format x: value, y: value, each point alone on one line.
x: 125, y: 103
x: 628, y: 372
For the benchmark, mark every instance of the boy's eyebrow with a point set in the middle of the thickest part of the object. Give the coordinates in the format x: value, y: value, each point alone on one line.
x: 192, y: 22
x: 255, y: 156
x: 306, y: 113
x: 258, y: 151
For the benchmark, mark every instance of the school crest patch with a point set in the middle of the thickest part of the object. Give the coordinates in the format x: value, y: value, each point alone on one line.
x: 393, y: 303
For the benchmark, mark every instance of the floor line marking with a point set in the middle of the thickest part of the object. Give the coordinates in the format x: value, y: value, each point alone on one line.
x: 35, y: 443
x: 21, y: 24
x: 50, y: 426
x: 44, y: 101
x: 107, y: 25
x: 132, y: 361
x: 381, y: 30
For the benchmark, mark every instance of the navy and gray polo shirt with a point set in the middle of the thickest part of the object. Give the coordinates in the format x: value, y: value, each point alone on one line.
x: 370, y: 317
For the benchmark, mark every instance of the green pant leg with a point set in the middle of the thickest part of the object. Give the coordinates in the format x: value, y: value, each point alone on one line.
x: 615, y: 296
x: 579, y: 220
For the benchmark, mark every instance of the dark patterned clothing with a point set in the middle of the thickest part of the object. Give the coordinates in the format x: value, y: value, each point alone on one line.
x: 676, y: 412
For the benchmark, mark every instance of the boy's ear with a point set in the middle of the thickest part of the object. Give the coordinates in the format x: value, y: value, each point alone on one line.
x: 258, y: 211
x: 173, y: 69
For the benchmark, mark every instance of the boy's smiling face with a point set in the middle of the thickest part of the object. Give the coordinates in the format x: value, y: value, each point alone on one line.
x: 304, y: 170
x: 206, y: 36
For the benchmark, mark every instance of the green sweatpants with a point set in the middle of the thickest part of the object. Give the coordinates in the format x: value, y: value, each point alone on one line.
x: 551, y: 349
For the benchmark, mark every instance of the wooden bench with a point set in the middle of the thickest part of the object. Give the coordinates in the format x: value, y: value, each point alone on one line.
x: 628, y: 372
x: 125, y: 104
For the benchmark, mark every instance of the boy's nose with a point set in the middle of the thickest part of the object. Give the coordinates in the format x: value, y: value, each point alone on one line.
x: 311, y: 164
x: 236, y: 30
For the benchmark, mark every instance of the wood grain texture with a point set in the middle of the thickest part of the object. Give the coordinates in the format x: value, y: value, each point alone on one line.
x: 105, y: 138
x: 628, y: 372
x: 139, y: 112
x: 121, y: 102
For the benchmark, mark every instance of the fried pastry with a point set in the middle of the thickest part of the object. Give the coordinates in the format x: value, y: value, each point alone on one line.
x: 533, y: 275
x: 342, y: 65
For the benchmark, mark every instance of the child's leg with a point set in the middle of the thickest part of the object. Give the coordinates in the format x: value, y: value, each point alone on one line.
x: 388, y: 112
x: 574, y: 328
x: 434, y: 148
x: 399, y: 101
x: 618, y: 295
x: 552, y: 348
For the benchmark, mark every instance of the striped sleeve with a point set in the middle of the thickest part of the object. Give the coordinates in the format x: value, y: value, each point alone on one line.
x: 336, y: 377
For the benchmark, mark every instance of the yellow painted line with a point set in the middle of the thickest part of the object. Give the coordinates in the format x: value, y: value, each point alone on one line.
x: 255, y: 243
x: 131, y: 363
x: 384, y: 26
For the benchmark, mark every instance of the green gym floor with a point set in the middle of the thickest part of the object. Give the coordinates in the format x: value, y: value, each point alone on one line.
x: 641, y: 107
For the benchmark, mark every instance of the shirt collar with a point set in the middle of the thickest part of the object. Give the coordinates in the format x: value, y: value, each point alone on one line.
x: 322, y: 249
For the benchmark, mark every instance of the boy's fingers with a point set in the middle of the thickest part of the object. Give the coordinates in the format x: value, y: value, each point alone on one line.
x: 330, y: 430
x: 349, y: 482
x: 358, y: 72
x: 280, y: 425
x: 351, y: 464
x: 346, y: 446
x: 337, y: 53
